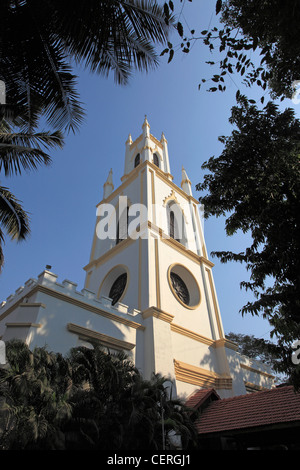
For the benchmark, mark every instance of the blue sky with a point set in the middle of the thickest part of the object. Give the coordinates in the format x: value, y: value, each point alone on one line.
x: 62, y: 198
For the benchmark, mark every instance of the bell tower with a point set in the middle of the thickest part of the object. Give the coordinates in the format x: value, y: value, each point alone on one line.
x: 148, y: 252
x: 149, y: 288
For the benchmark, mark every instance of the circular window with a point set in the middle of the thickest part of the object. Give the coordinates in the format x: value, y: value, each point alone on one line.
x: 184, y: 286
x: 180, y: 288
x: 118, y: 288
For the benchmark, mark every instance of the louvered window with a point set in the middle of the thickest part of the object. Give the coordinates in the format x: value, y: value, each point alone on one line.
x: 155, y: 160
x: 137, y: 160
x: 172, y: 224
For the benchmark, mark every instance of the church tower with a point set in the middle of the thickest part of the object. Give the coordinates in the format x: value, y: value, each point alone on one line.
x: 149, y: 253
x: 149, y: 288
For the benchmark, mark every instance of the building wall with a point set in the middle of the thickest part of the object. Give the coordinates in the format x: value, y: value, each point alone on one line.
x: 48, y: 313
x: 160, y: 333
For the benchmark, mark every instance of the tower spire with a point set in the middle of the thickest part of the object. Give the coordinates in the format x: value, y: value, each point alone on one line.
x: 146, y: 150
x: 146, y: 127
x: 164, y: 143
x: 186, y: 183
x: 108, y: 186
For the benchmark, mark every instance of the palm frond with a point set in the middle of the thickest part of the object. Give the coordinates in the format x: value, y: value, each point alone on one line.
x: 24, y: 151
x: 115, y: 36
x: 40, y: 38
x: 12, y: 216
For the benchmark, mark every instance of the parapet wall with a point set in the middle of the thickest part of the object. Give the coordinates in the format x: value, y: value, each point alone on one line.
x: 66, y: 287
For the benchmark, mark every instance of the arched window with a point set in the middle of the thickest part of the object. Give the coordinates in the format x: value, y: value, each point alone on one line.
x: 176, y: 223
x: 172, y: 225
x: 156, y: 160
x: 137, y: 160
x: 118, y: 288
x: 122, y: 226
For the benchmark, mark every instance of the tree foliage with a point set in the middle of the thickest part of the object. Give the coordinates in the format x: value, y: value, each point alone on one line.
x: 34, y: 398
x: 43, y: 41
x: 255, y: 185
x: 263, y: 351
x: 256, y: 39
x: 87, y: 400
x: 255, y: 182
x: 253, y: 347
x: 272, y: 27
x: 20, y: 150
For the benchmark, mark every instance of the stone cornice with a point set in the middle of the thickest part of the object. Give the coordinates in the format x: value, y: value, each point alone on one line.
x: 256, y: 371
x: 157, y: 313
x: 224, y: 342
x: 23, y: 325
x: 193, y: 256
x: 110, y: 253
x: 191, y: 334
x: 201, y: 377
x: 105, y: 340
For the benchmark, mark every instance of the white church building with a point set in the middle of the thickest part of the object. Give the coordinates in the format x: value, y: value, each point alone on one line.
x: 149, y: 287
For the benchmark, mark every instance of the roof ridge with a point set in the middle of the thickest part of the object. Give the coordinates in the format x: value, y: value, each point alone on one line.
x: 257, y: 392
x: 199, y: 395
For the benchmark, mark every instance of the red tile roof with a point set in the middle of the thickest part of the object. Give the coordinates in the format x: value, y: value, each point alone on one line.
x: 278, y: 405
x: 200, y: 396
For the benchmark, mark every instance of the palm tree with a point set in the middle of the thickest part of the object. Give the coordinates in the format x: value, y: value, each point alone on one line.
x: 89, y: 400
x: 152, y: 419
x: 118, y: 409
x: 24, y: 150
x: 101, y: 379
x: 42, y: 41
x: 35, y: 391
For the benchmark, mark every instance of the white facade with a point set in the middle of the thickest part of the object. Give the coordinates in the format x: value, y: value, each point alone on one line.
x: 149, y: 290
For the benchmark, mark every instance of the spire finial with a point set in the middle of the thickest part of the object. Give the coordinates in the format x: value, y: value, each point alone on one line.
x: 108, y: 186
x: 163, y: 138
x: 146, y: 128
x: 145, y: 123
x: 129, y: 140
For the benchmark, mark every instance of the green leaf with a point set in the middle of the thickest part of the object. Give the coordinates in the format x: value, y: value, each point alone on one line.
x: 171, y: 55
x: 218, y: 6
x: 180, y: 29
x: 164, y: 51
x: 166, y: 10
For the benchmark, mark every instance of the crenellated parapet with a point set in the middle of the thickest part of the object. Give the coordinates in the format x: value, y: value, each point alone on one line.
x: 19, y: 294
x: 49, y: 280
